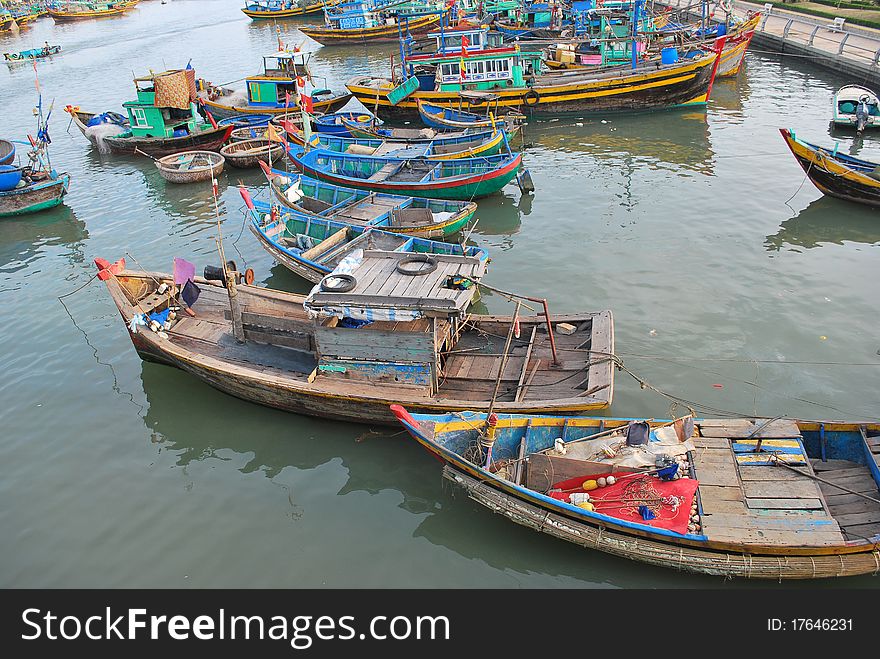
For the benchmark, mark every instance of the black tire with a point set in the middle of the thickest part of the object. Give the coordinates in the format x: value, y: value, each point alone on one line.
x: 534, y: 96
x: 417, y: 258
x: 348, y: 283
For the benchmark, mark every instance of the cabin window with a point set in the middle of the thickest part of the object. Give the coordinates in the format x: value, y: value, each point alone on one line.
x: 140, y: 118
x: 447, y: 70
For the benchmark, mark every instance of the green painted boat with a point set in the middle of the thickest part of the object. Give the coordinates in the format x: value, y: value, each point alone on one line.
x: 427, y: 218
x: 463, y: 179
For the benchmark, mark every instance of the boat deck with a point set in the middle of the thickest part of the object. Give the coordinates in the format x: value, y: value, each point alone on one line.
x: 471, y: 367
x: 745, y: 497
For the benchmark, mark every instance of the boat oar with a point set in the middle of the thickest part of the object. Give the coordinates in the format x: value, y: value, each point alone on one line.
x: 137, y: 150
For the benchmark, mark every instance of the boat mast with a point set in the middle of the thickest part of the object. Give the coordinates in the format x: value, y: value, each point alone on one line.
x: 635, y: 32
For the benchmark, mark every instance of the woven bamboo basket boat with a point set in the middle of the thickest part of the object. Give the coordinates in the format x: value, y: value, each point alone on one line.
x: 252, y: 133
x: 190, y: 166
x: 248, y: 153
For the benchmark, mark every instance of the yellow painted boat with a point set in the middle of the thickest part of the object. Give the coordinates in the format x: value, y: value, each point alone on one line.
x: 383, y: 33
x: 273, y: 10
x: 647, y: 87
x: 78, y: 11
x: 836, y: 174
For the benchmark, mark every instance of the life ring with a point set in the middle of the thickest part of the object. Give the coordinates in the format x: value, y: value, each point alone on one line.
x: 531, y: 94
x: 726, y: 5
x: 348, y: 282
x: 417, y: 258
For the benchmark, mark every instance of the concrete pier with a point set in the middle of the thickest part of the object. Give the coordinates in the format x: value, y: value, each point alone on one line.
x: 849, y: 49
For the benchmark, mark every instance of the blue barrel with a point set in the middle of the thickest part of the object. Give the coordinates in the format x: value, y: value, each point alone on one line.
x: 669, y: 55
x: 9, y: 177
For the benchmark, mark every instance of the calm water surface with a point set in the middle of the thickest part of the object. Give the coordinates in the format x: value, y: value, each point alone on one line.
x: 721, y: 265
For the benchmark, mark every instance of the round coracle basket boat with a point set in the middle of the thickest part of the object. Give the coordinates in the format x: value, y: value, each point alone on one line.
x: 248, y: 153
x: 190, y: 166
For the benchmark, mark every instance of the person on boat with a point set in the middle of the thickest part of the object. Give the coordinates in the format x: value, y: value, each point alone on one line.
x: 46, y: 48
x: 862, y: 113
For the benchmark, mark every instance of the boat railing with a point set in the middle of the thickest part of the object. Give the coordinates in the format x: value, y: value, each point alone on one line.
x: 834, y: 44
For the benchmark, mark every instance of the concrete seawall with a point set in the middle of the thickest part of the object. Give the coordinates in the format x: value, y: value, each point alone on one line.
x: 852, y: 50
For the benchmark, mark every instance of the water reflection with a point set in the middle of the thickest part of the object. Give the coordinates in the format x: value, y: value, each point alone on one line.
x: 25, y: 238
x: 644, y: 140
x: 826, y: 221
x: 729, y: 95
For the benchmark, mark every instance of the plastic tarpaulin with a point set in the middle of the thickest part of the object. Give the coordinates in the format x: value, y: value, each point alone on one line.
x: 176, y: 89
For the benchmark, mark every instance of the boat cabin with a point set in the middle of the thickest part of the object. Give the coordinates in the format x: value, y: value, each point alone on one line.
x: 391, y: 326
x: 483, y: 69
x: 279, y: 77
x: 471, y: 39
x: 165, y: 105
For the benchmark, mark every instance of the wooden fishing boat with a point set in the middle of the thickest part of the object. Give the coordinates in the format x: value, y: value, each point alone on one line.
x: 275, y: 91
x: 856, y: 107
x: 317, y: 355
x: 736, y: 44
x: 463, y: 179
x: 190, y: 166
x: 313, y: 247
x: 408, y: 135
x: 374, y: 27
x: 72, y: 11
x: 32, y: 54
x: 274, y: 9
x: 248, y: 153
x: 206, y: 139
x: 255, y: 133
x: 41, y: 190
x: 518, y: 79
x: 836, y: 174
x: 162, y: 120
x: 337, y: 123
x: 487, y: 143
x: 246, y: 120
x: 449, y: 118
x: 750, y: 498
x: 7, y: 152
x: 428, y: 218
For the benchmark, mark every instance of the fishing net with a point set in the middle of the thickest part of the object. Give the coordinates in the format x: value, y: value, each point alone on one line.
x: 96, y: 134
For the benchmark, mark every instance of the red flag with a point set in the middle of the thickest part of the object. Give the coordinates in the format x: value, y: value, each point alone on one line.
x: 286, y: 99
x: 246, y: 196
x: 214, y: 189
x: 516, y: 327
x: 306, y: 102
x: 465, y: 42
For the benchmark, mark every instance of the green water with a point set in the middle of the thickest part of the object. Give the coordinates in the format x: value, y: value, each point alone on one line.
x: 721, y: 265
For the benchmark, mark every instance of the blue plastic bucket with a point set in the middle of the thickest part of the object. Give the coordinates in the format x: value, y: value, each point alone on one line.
x: 9, y: 177
x: 669, y: 56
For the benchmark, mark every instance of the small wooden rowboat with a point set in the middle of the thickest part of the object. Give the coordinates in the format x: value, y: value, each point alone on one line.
x: 248, y: 153
x: 190, y: 166
x: 428, y: 218
x: 747, y: 498
x: 42, y: 190
x: 487, y: 143
x: 421, y: 346
x: 449, y: 118
x: 32, y: 54
x: 856, y: 107
x: 313, y: 247
x: 335, y: 123
x: 412, y: 135
x: 836, y: 174
x: 7, y: 152
x: 463, y: 179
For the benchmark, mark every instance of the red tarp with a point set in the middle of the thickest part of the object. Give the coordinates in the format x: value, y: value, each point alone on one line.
x: 631, y: 488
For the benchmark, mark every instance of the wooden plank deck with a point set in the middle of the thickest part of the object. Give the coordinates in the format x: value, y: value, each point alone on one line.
x: 859, y: 518
x: 746, y: 499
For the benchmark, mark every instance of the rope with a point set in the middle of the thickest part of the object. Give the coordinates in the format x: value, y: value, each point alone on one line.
x: 115, y: 385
